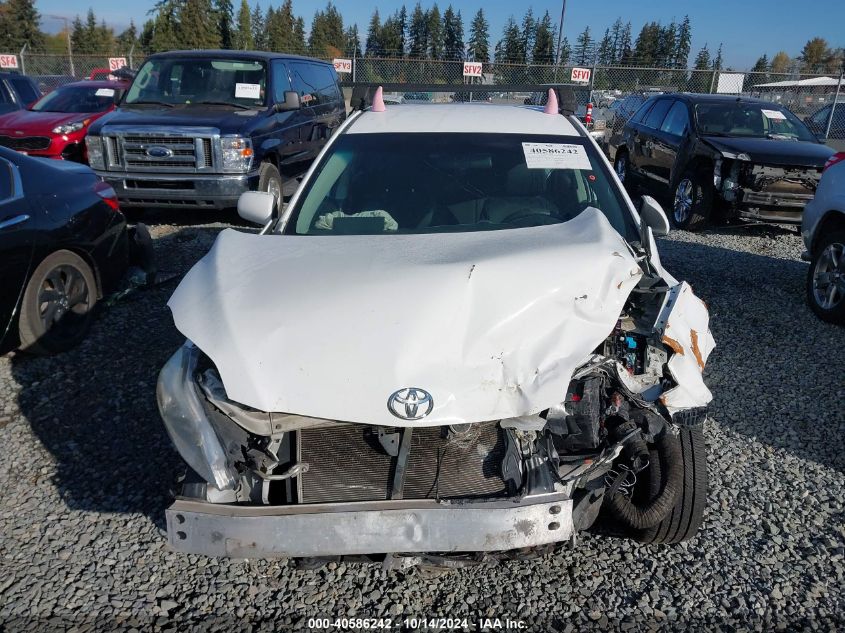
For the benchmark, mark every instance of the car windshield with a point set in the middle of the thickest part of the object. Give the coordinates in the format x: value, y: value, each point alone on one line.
x: 426, y: 183
x: 188, y: 81
x: 77, y: 99
x: 755, y: 120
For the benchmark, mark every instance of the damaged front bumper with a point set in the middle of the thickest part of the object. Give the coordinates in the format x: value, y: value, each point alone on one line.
x: 379, y: 527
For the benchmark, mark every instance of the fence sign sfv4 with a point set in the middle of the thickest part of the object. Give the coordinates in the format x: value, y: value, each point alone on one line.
x: 8, y: 61
x: 342, y: 65
x: 581, y: 75
x: 472, y: 69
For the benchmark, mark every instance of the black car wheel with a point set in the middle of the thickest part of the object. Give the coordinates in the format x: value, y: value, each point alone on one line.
x: 620, y: 166
x: 692, y: 202
x: 270, y: 180
x: 58, y: 304
x: 826, y: 278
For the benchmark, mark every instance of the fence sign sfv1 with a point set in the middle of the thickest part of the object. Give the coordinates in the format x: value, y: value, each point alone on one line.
x: 342, y: 65
x: 116, y: 63
x: 581, y: 75
x: 8, y: 61
x: 472, y: 69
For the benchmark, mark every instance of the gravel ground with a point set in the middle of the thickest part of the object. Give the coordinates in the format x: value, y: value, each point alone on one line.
x: 87, y: 470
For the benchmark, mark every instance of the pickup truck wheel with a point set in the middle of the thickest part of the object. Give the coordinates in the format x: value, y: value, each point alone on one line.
x: 270, y: 180
x: 692, y: 202
x: 684, y: 520
x: 58, y: 304
x: 826, y: 278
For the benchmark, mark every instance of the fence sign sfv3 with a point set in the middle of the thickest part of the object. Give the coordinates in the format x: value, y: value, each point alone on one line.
x: 472, y: 69
x: 581, y: 75
x: 342, y: 65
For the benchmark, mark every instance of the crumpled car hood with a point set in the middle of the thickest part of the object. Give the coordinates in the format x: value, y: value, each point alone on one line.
x: 491, y: 324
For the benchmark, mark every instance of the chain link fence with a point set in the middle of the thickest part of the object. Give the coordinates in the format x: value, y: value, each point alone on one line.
x: 816, y: 98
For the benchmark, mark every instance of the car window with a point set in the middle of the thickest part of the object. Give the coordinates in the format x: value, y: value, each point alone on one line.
x: 78, y: 99
x: 327, y: 83
x: 306, y: 82
x: 753, y: 120
x: 25, y: 89
x: 434, y: 183
x: 657, y: 113
x: 677, y: 121
x: 639, y: 115
x: 281, y: 81
x: 820, y: 117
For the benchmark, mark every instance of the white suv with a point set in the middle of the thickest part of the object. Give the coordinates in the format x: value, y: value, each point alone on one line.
x: 823, y: 230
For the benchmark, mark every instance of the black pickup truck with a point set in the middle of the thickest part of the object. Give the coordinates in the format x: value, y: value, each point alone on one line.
x: 198, y: 128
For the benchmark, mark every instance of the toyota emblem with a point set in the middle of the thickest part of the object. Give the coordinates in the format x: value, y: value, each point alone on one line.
x: 410, y: 403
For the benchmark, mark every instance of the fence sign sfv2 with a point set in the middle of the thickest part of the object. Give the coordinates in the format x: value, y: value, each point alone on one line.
x: 472, y: 69
x: 9, y: 61
x: 342, y: 65
x: 581, y: 75
x: 116, y: 63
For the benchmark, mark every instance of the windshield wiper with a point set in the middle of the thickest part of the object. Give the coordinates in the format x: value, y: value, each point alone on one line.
x: 222, y: 103
x: 164, y: 103
x: 781, y: 137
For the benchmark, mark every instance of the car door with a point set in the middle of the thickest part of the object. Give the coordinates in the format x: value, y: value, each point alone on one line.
x: 670, y: 142
x: 304, y: 82
x: 17, y: 242
x: 287, y: 135
x: 646, y: 141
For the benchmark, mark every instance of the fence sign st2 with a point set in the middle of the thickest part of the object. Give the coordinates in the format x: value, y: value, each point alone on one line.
x: 580, y: 75
x: 472, y: 69
x: 342, y: 65
x: 8, y: 61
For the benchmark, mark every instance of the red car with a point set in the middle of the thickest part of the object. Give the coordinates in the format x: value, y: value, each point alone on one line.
x: 56, y: 124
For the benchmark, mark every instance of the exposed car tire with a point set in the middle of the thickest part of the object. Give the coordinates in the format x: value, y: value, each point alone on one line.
x: 826, y: 278
x: 692, y: 202
x: 621, y: 166
x: 58, y: 304
x: 270, y: 180
x: 684, y: 520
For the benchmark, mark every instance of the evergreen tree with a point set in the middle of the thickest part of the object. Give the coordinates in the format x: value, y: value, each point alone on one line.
x: 196, y: 25
x: 666, y: 45
x: 701, y: 81
x: 258, y: 22
x: 19, y: 25
x: 164, y: 29
x: 105, y: 38
x: 717, y: 61
x: 815, y: 56
x: 646, y: 48
x: 281, y: 30
x: 509, y: 48
x: 435, y: 33
x: 616, y: 40
x: 565, y: 52
x: 127, y: 39
x: 529, y: 34
x: 79, y: 36
x: 299, y: 34
x: 702, y: 60
x: 479, y: 39
x: 224, y: 12
x: 761, y: 65
x: 453, y: 34
x: 418, y: 34
x: 243, y: 40
x: 352, y: 46
x: 625, y: 52
x: 402, y: 27
x: 391, y: 36
x: 543, y: 52
x: 326, y: 37
x: 682, y: 46
x: 605, y: 51
x: 584, y: 48
x: 373, y: 46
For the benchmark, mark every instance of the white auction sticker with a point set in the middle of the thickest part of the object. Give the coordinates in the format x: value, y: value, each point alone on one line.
x: 105, y: 92
x: 556, y: 156
x: 777, y: 115
x: 247, y: 91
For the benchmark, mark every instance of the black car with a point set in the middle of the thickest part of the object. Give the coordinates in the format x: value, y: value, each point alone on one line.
x: 818, y: 122
x: 63, y: 243
x: 720, y: 157
x: 198, y: 128
x: 17, y: 92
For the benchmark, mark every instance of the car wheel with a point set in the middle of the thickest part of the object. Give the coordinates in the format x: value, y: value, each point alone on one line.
x: 684, y: 520
x: 692, y: 202
x: 270, y: 180
x: 826, y: 278
x: 620, y: 166
x: 58, y: 304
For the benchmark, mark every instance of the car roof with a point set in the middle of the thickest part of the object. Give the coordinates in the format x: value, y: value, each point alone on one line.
x: 97, y: 83
x: 692, y: 97
x: 230, y: 54
x: 462, y: 117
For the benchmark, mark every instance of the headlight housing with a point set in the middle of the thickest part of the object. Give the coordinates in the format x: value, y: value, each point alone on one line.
x: 186, y: 421
x: 236, y: 152
x: 96, y: 158
x: 68, y: 128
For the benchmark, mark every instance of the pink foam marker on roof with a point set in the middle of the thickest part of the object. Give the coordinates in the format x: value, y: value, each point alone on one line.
x: 378, y: 101
x: 551, y: 103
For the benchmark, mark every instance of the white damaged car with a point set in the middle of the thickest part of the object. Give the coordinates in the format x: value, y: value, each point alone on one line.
x: 457, y: 342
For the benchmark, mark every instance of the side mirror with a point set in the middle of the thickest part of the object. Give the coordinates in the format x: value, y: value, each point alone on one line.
x: 256, y: 206
x: 291, y: 102
x: 653, y: 216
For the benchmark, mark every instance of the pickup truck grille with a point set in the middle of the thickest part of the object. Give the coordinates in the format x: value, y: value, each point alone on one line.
x: 25, y: 143
x: 134, y: 151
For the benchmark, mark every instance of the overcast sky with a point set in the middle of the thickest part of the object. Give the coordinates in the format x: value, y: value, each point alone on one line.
x: 747, y: 28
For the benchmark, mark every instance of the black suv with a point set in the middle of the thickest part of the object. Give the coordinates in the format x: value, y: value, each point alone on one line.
x: 17, y: 92
x: 198, y: 128
x: 721, y: 155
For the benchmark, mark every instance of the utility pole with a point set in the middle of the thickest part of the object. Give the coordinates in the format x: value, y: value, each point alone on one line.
x: 559, y: 38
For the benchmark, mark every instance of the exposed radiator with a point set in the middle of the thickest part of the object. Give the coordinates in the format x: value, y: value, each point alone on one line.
x: 347, y: 463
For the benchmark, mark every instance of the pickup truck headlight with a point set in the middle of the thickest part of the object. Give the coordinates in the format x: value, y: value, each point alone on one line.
x: 96, y: 159
x: 237, y: 153
x: 68, y: 128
